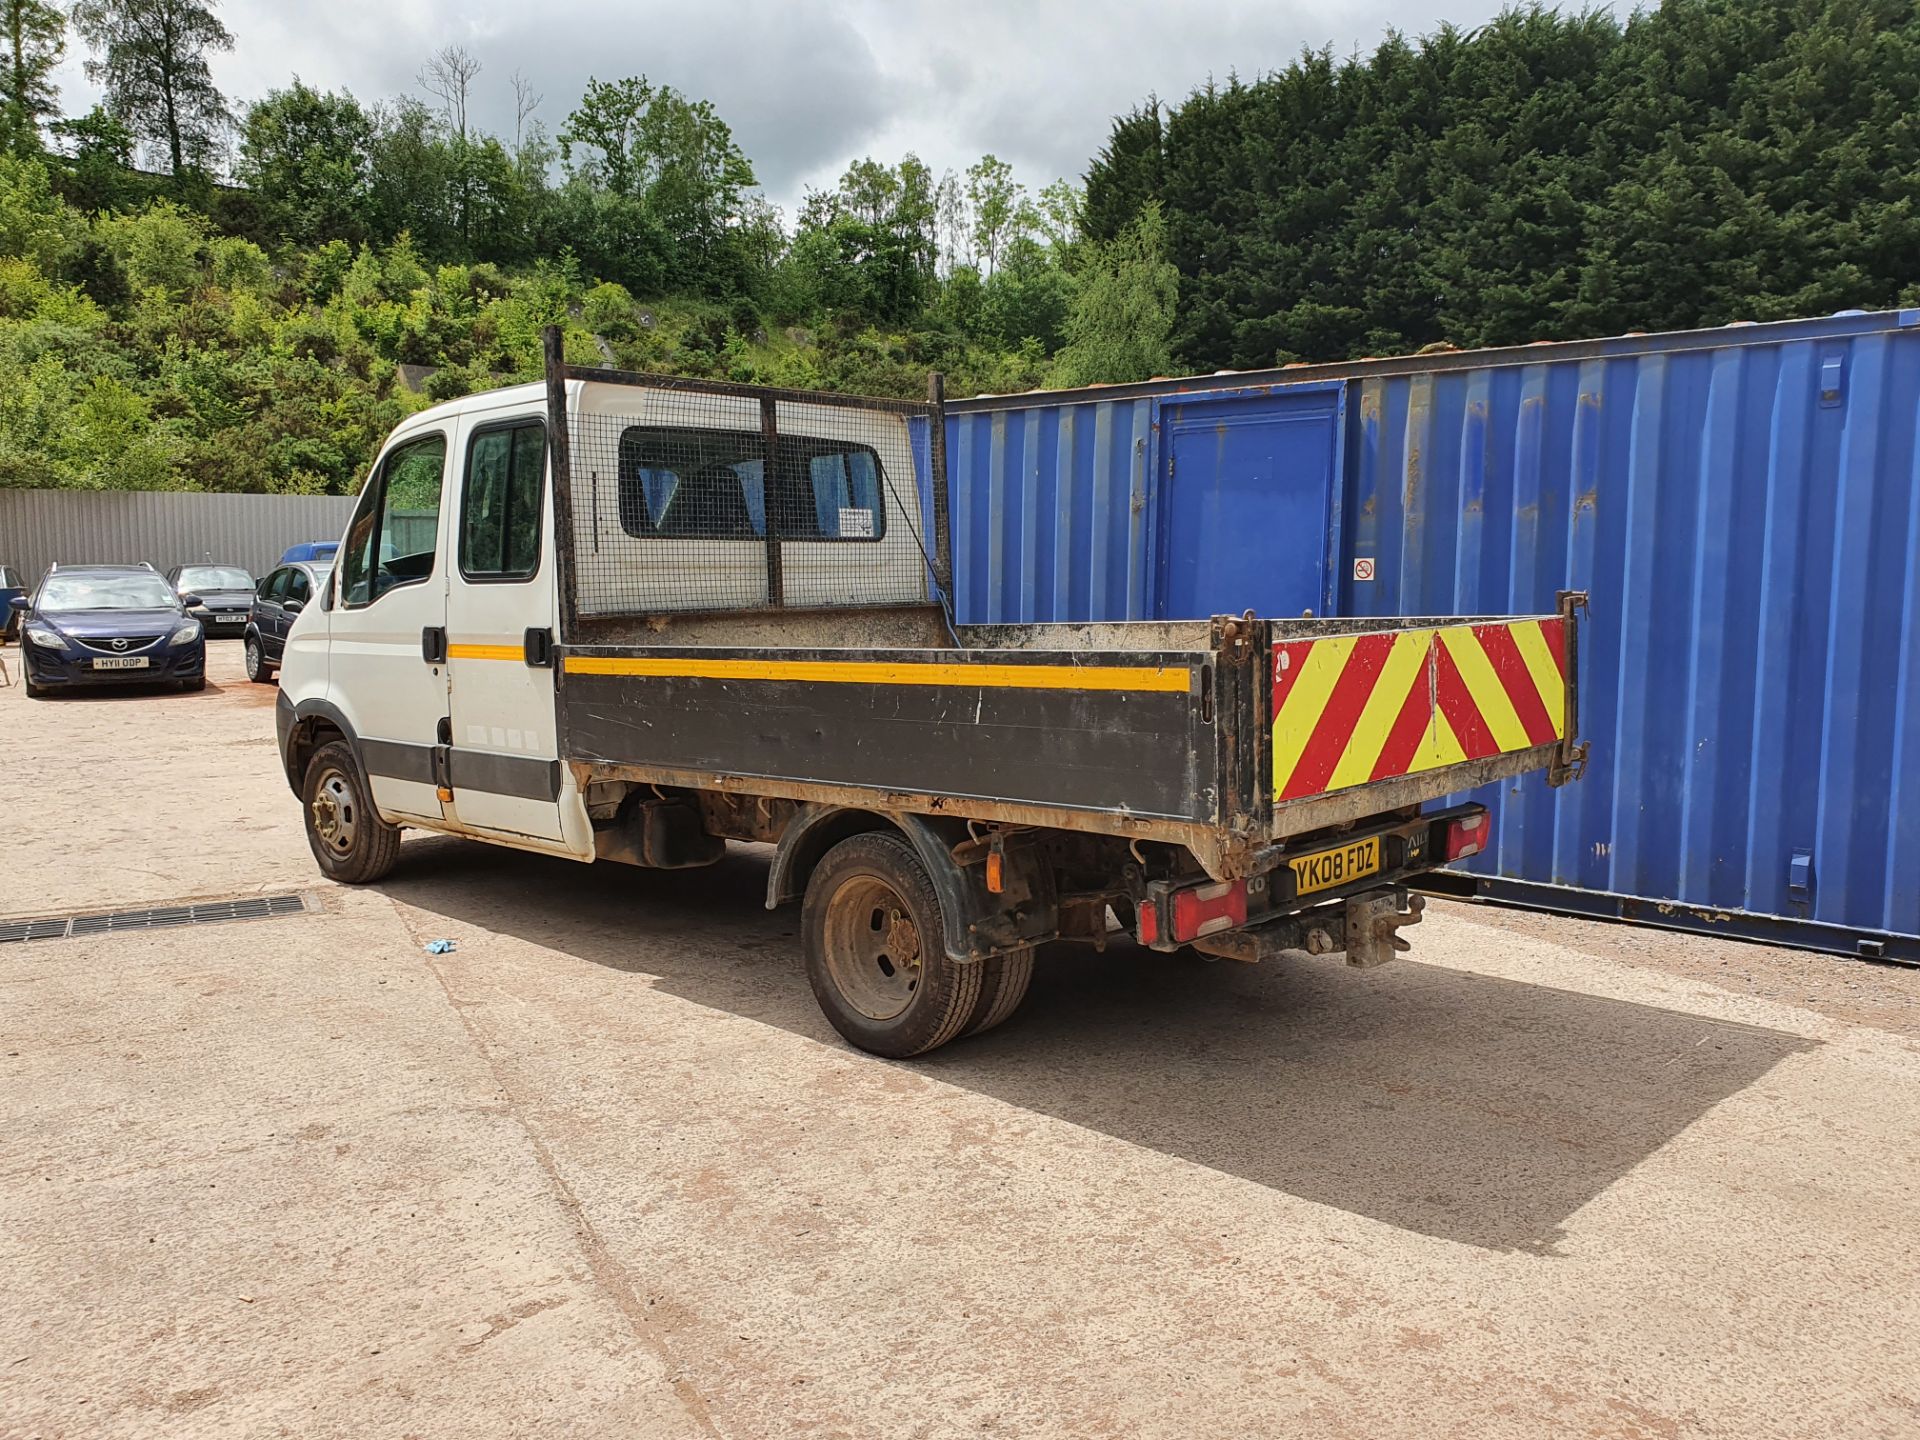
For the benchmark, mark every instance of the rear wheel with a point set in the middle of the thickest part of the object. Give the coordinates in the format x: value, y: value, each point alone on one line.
x: 876, y: 950
x: 1003, y: 985
x: 349, y: 839
x: 258, y: 670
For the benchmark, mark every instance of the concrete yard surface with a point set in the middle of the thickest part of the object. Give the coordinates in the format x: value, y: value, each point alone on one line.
x: 604, y: 1169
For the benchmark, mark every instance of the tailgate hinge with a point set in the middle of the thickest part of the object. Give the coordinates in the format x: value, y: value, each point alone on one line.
x: 1570, y: 758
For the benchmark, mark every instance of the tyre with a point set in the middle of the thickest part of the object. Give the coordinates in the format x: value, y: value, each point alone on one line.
x: 199, y: 682
x: 1003, y: 985
x: 258, y: 670
x: 349, y: 839
x: 876, y: 950
x: 34, y: 692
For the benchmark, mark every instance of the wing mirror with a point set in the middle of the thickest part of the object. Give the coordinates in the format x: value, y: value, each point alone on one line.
x: 191, y: 600
x: 293, y: 607
x: 18, y: 602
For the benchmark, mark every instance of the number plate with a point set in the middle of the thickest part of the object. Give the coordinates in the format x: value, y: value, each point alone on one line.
x: 1325, y: 869
x: 121, y: 662
x: 238, y: 617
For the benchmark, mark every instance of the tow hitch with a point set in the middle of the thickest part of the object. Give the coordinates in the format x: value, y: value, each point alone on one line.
x: 1367, y: 927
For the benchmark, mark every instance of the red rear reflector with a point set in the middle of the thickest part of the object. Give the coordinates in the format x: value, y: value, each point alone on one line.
x: 1209, y: 908
x: 1468, y: 835
x: 1149, y: 922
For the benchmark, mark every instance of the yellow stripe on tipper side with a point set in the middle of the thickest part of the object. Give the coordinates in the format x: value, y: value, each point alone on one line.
x: 1397, y: 677
x: 1172, y: 679
x: 1541, y: 665
x: 1489, y: 695
x: 486, y: 652
x: 1300, y: 712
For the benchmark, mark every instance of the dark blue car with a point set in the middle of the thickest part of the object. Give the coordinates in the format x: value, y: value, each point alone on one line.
x: 318, y: 552
x: 106, y: 625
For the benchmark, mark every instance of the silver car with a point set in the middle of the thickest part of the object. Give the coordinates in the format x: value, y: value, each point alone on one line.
x: 225, y: 593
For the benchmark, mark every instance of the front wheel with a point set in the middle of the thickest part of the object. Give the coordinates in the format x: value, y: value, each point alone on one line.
x: 876, y: 950
x: 258, y: 670
x: 349, y: 839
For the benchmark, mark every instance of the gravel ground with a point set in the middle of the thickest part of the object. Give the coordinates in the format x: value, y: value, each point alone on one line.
x: 604, y: 1169
x: 1861, y: 992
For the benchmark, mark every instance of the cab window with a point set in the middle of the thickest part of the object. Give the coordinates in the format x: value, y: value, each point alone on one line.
x: 273, y: 589
x: 299, y: 587
x: 500, y: 502
x: 686, y: 484
x: 395, y: 530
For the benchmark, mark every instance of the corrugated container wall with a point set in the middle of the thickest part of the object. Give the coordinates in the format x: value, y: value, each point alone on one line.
x: 1742, y: 505
x: 1747, y: 520
x: 163, y: 527
x: 1050, y: 513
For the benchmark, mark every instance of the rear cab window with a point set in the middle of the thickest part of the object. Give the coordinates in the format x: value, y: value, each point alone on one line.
x: 500, y: 501
x: 697, y: 484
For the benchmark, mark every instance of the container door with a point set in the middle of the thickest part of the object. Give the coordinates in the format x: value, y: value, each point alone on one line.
x: 1247, y: 507
x: 504, y: 763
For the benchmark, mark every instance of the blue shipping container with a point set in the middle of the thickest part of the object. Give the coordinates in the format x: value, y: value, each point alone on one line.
x: 1742, y: 504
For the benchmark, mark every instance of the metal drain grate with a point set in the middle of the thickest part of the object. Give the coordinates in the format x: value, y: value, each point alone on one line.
x: 160, y: 917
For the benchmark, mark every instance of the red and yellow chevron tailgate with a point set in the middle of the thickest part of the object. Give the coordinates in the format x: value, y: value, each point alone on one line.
x: 1351, y: 709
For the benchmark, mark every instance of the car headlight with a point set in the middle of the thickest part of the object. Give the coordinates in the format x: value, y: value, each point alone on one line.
x: 45, y: 638
x: 186, y: 634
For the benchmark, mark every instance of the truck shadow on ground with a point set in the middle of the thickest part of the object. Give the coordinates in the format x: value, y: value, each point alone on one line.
x: 1451, y: 1104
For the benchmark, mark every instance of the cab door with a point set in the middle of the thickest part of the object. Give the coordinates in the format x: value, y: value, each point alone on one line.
x: 387, y: 641
x: 504, y: 763
x: 266, y: 610
x: 299, y: 595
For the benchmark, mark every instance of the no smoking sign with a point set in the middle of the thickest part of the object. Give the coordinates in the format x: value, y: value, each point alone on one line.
x: 1363, y: 567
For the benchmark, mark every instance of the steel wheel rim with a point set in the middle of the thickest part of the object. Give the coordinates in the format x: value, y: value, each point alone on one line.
x: 253, y: 658
x: 873, y: 947
x: 336, y: 813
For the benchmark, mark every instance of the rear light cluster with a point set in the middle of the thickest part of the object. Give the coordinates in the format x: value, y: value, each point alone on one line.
x: 1201, y: 910
x: 1468, y: 835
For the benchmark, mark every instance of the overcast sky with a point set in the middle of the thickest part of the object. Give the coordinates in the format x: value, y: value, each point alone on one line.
x: 808, y: 87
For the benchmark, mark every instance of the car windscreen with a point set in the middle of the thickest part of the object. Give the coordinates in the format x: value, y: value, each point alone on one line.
x: 215, y: 577
x: 105, y: 592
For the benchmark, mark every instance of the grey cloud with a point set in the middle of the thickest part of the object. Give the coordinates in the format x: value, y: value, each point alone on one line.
x: 808, y: 87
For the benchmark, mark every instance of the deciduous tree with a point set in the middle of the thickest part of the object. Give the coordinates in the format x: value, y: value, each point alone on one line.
x: 307, y: 156
x: 1121, y: 325
x: 35, y: 39
x: 151, y: 58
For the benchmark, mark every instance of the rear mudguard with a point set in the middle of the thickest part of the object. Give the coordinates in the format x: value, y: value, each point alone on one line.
x: 978, y: 923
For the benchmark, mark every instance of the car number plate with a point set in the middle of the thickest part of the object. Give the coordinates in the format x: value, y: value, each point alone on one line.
x: 121, y: 662
x: 1325, y: 869
x: 238, y: 617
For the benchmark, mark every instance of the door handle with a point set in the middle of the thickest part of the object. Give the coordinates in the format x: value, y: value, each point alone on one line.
x: 537, y: 647
x: 433, y: 644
